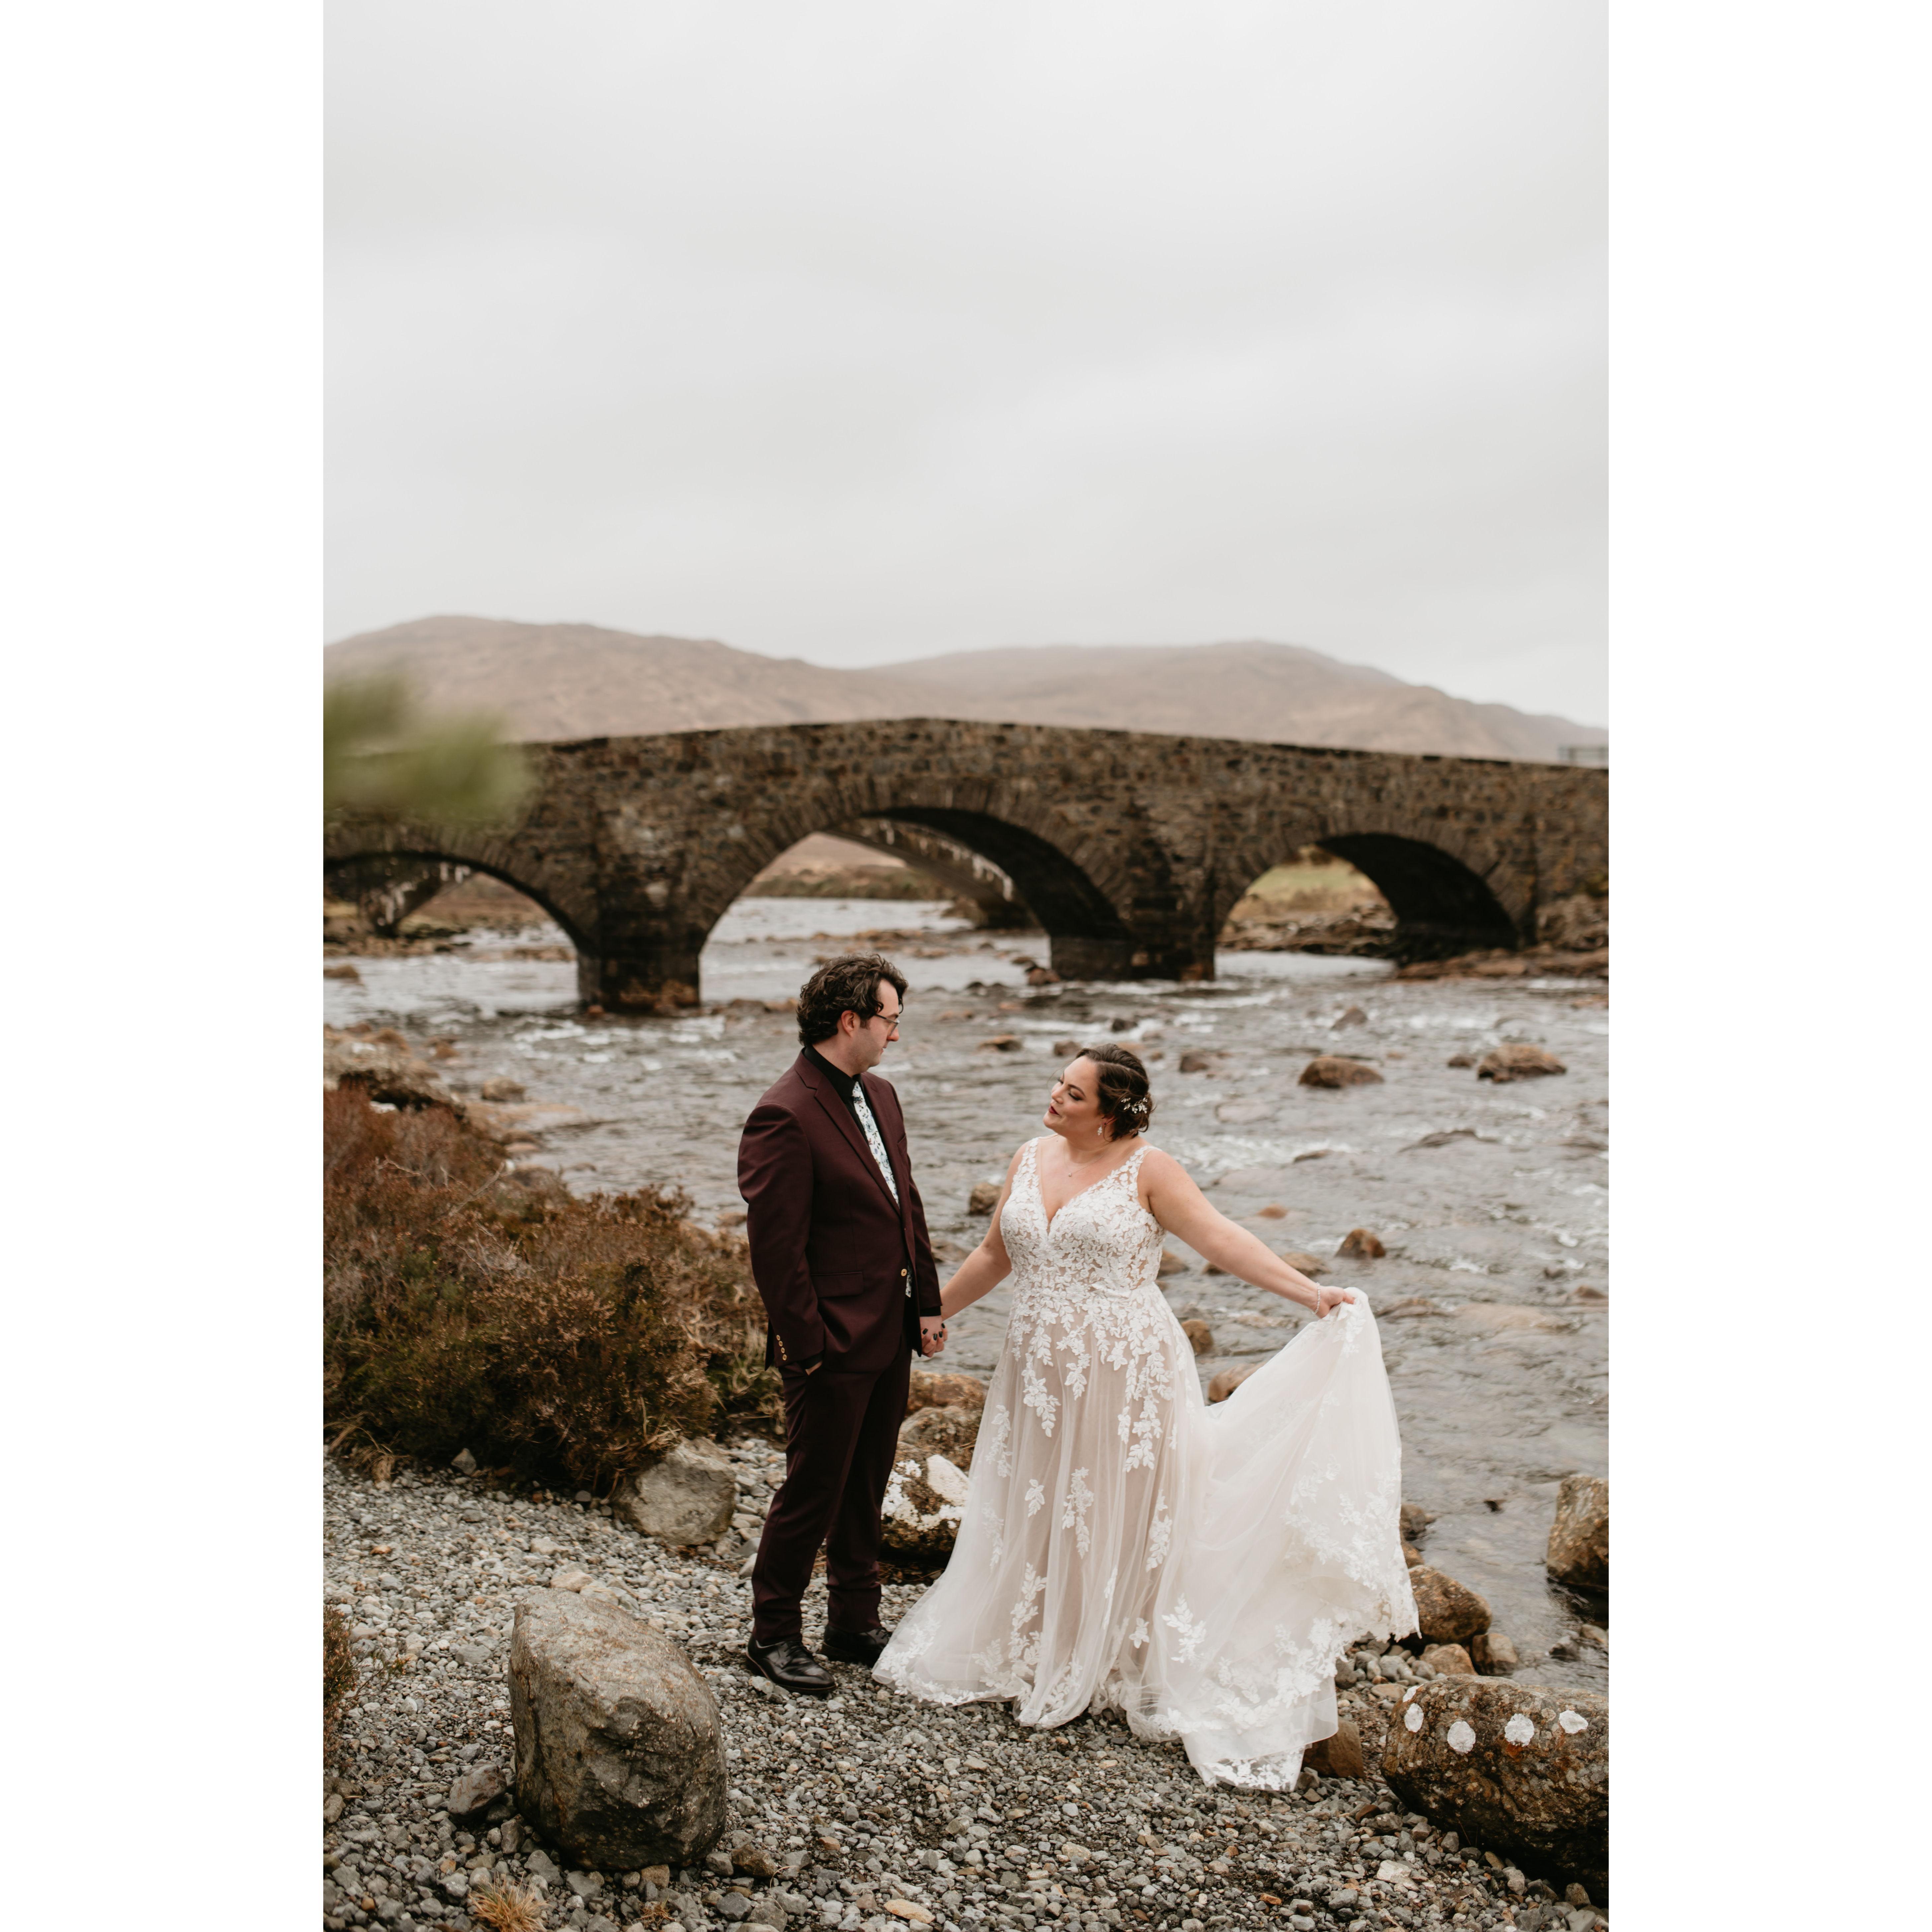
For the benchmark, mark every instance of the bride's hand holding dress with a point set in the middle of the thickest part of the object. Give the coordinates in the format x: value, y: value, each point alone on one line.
x: 1122, y: 1545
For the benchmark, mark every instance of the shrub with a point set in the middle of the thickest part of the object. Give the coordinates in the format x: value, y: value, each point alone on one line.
x: 467, y: 1306
x: 338, y: 1670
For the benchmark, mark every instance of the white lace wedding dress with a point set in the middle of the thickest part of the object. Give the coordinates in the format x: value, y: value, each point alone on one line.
x: 1124, y: 1545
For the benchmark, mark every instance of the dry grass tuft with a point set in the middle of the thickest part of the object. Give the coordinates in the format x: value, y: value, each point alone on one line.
x: 506, y: 1909
x: 570, y: 1340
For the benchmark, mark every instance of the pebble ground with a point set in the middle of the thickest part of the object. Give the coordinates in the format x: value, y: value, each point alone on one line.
x: 875, y: 1812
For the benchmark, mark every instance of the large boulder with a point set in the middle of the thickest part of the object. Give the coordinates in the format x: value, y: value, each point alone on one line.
x: 688, y: 1498
x: 1339, y: 1755
x: 1493, y: 1653
x: 1512, y: 1767
x: 1518, y: 1062
x: 1226, y: 1381
x: 950, y: 1432
x: 1446, y: 1611
x: 920, y: 1516
x: 1579, y: 1538
x: 1330, y: 1069
x: 938, y: 1389
x: 620, y: 1757
x: 385, y: 1070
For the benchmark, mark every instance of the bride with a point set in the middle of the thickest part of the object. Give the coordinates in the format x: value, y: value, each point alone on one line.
x: 1123, y: 1545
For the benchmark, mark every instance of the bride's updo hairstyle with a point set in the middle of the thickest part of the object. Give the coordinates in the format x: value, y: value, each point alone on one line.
x: 1126, y: 1104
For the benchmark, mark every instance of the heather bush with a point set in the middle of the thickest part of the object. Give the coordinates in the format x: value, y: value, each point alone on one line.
x: 338, y: 1670
x: 465, y: 1306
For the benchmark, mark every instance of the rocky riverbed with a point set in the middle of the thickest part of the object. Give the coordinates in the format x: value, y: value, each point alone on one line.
x: 1488, y: 1197
x: 863, y: 1811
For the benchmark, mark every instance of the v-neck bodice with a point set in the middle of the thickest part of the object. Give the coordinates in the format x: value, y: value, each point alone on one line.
x: 1099, y: 1241
x: 1130, y: 1166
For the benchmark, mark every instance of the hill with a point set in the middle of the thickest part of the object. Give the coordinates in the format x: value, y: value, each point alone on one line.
x: 560, y: 681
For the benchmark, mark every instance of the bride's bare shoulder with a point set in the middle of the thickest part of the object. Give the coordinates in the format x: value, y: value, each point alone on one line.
x: 1160, y: 1169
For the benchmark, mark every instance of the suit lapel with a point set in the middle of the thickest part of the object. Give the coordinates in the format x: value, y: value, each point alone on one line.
x: 841, y: 1116
x: 888, y: 1138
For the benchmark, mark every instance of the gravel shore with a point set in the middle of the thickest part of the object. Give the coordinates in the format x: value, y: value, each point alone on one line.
x: 873, y: 1812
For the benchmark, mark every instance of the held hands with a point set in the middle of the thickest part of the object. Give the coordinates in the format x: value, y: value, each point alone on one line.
x: 931, y: 1334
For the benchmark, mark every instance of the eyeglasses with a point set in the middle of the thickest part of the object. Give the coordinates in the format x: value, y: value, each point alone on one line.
x: 891, y: 1019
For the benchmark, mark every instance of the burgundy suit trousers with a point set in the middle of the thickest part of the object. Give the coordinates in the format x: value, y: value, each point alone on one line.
x: 841, y: 1433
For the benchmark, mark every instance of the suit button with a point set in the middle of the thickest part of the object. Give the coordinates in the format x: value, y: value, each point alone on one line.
x: 902, y: 1273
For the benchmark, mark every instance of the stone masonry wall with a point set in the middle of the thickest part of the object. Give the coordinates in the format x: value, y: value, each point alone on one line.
x: 1131, y: 847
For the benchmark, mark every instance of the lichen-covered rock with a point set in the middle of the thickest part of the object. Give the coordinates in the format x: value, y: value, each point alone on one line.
x: 938, y: 1389
x: 386, y: 1072
x: 1329, y: 1069
x: 1518, y: 1062
x: 1447, y: 1612
x: 687, y: 1498
x: 1579, y: 1538
x: 620, y: 1758
x: 1512, y: 1767
x: 950, y: 1432
x: 920, y: 1516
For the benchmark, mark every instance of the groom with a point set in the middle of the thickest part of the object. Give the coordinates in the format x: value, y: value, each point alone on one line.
x: 840, y: 1256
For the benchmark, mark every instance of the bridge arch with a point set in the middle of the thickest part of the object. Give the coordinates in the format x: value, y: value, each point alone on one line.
x: 1071, y: 882
x: 963, y: 869
x: 433, y: 854
x: 1442, y: 905
x: 1443, y: 898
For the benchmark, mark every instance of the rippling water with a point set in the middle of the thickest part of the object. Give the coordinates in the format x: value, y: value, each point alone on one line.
x: 1492, y: 1200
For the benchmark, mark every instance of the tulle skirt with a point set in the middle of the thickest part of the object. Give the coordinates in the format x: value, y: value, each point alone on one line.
x: 1123, y: 1545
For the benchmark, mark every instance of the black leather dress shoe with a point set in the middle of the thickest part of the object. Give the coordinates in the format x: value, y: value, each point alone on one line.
x: 857, y: 1646
x: 787, y: 1662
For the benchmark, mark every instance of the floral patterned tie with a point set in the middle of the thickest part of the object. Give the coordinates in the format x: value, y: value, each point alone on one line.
x: 878, y: 1146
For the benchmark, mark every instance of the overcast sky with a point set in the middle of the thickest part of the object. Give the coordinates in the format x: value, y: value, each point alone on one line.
x: 859, y: 331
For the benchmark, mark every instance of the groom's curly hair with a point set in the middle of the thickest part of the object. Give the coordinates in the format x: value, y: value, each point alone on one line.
x: 1125, y: 1097
x: 849, y: 984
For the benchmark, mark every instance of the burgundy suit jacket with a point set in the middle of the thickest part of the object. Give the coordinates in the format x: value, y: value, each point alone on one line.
x: 832, y: 1254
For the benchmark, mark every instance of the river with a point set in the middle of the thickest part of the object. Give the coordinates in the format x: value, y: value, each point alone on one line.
x: 1492, y: 1200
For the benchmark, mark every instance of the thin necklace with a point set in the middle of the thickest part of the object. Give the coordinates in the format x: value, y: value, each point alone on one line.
x: 1089, y: 1161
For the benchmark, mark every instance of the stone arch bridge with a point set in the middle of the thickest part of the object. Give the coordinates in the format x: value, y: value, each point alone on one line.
x: 1129, y: 848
